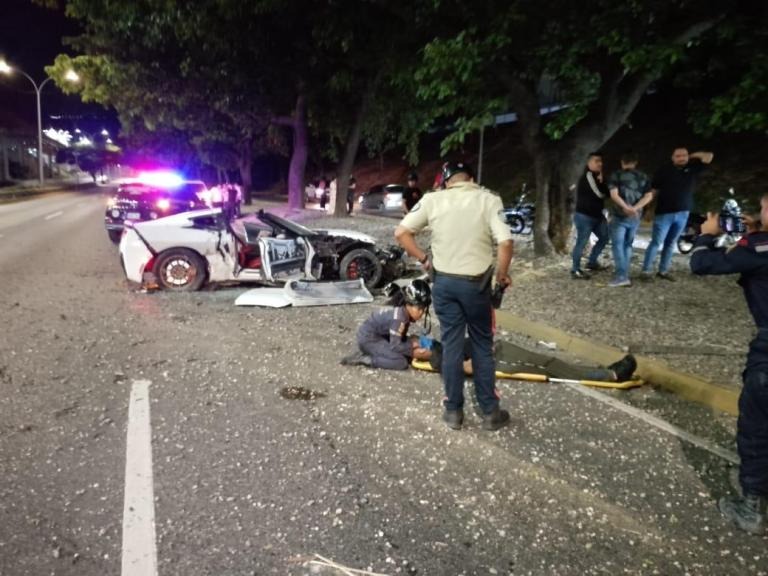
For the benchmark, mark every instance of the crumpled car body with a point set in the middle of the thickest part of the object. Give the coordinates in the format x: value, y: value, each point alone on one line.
x: 185, y: 252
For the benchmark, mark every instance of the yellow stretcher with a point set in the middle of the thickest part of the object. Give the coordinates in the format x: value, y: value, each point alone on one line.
x: 425, y: 365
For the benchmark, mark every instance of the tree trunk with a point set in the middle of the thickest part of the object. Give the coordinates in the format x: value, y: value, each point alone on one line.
x: 245, y: 164
x: 350, y: 152
x: 542, y: 244
x: 298, y: 155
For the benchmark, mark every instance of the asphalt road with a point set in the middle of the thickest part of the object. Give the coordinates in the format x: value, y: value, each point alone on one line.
x: 249, y: 480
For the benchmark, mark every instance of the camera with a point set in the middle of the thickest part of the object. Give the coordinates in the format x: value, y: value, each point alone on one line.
x: 730, y: 218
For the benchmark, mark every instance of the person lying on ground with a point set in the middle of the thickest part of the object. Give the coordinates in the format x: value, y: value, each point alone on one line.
x: 383, y: 340
x: 513, y: 359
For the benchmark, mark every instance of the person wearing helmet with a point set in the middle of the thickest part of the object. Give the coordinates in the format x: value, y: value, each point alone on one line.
x: 383, y: 340
x: 466, y: 221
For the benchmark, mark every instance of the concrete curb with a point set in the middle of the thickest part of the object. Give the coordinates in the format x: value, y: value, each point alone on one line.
x: 716, y: 397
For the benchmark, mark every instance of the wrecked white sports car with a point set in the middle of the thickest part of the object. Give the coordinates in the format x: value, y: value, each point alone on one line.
x: 184, y: 252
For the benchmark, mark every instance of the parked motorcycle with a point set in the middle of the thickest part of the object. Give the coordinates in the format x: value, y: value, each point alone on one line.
x: 520, y: 217
x: 730, y: 223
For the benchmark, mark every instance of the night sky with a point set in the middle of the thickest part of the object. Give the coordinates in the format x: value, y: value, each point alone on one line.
x: 30, y: 39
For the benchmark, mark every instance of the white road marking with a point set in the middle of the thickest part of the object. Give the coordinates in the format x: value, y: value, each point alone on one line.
x: 54, y: 215
x: 659, y: 423
x: 139, y: 556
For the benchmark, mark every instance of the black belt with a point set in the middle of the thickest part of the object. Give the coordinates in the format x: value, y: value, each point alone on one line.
x: 476, y: 278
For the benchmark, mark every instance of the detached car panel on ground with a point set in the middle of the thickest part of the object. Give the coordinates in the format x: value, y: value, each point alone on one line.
x: 184, y: 252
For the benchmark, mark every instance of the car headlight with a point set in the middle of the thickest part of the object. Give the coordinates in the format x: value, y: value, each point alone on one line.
x: 115, y: 213
x: 163, y: 204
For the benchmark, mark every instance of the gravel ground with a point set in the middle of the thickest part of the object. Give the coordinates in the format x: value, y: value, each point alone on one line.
x: 699, y: 326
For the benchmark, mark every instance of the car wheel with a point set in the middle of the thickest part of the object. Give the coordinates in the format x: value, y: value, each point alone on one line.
x: 115, y: 235
x: 361, y: 263
x: 516, y: 224
x: 180, y: 270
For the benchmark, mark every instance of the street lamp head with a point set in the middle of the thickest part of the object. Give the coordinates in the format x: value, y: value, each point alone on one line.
x: 71, y: 76
x: 5, y: 68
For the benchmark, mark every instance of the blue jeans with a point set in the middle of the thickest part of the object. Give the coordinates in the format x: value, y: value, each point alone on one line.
x: 586, y: 225
x: 666, y: 230
x: 622, y: 235
x: 465, y: 305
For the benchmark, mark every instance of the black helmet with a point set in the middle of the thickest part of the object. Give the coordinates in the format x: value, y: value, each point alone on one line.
x: 418, y: 293
x: 413, y: 176
x: 452, y: 168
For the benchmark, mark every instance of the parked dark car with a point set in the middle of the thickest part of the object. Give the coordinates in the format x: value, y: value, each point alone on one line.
x: 383, y: 198
x: 139, y: 202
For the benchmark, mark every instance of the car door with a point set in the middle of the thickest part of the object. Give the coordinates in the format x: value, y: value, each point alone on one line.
x: 283, y: 258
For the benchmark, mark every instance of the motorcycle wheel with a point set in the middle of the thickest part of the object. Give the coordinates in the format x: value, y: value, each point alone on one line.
x: 516, y: 224
x: 686, y: 240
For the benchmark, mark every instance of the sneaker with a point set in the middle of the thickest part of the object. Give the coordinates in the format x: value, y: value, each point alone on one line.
x: 619, y: 283
x: 579, y: 275
x: 596, y: 267
x: 646, y: 276
x: 748, y: 512
x: 496, y: 419
x: 666, y: 276
x: 453, y: 418
x: 357, y: 358
x: 624, y: 368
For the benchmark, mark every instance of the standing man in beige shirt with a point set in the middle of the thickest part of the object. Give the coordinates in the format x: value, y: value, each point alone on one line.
x: 466, y: 220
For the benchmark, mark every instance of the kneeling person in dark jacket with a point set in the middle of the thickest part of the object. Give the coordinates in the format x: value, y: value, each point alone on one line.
x: 750, y: 259
x: 383, y: 340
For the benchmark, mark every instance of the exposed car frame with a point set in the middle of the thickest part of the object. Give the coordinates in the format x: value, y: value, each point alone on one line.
x: 184, y: 252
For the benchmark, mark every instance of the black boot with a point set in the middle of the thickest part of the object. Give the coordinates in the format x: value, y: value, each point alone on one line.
x: 624, y: 368
x: 453, y: 418
x: 747, y: 512
x: 357, y: 359
x: 495, y: 419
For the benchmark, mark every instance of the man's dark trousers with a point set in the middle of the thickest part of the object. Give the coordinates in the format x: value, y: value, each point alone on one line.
x: 752, y: 432
x: 465, y: 305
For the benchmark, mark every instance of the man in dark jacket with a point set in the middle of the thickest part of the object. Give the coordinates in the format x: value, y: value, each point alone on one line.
x: 588, y: 217
x: 750, y: 259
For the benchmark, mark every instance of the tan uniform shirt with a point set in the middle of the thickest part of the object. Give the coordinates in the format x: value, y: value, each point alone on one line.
x: 465, y: 220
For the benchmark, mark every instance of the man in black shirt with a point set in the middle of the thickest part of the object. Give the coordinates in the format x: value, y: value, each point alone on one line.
x: 588, y: 216
x: 412, y: 193
x: 673, y: 187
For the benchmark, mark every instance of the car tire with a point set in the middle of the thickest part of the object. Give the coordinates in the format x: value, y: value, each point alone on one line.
x: 361, y: 263
x: 516, y: 224
x: 115, y: 235
x: 180, y: 270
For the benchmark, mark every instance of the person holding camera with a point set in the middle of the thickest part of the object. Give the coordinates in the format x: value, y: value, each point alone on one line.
x: 750, y: 259
x: 466, y: 221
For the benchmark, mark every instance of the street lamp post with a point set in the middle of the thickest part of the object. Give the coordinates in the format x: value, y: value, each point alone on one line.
x: 71, y: 75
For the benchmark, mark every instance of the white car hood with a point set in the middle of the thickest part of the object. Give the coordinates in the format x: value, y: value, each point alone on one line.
x: 354, y: 235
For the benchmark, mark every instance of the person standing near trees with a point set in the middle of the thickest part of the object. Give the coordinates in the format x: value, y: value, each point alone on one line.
x: 588, y: 217
x: 465, y: 220
x: 749, y: 258
x: 412, y: 193
x: 627, y: 187
x: 673, y: 186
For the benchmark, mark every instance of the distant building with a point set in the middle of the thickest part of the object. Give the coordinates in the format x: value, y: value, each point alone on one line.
x: 18, y: 149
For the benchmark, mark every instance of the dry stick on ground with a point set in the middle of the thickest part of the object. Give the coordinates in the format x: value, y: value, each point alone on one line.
x: 344, y: 569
